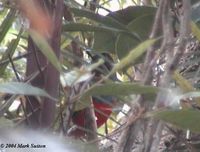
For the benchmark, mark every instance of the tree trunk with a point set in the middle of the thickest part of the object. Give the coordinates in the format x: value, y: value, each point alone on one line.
x: 49, y: 78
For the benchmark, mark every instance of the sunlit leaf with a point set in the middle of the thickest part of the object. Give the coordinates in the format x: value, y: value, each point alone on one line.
x: 182, y: 82
x: 133, y: 55
x: 184, y: 119
x: 23, y: 89
x: 46, y: 49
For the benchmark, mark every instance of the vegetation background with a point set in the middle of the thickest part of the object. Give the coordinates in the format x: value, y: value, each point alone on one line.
x: 46, y: 64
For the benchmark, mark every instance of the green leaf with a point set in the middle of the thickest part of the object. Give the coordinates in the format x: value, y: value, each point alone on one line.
x: 23, y: 89
x: 6, y: 24
x: 104, y: 41
x: 124, y: 44
x: 104, y: 37
x: 117, y: 90
x: 193, y: 94
x: 184, y: 84
x: 87, y: 28
x: 10, y: 51
x: 125, y: 16
x: 46, y: 49
x: 105, y: 20
x: 184, y: 119
x: 140, y: 26
x: 114, y: 89
x: 133, y: 55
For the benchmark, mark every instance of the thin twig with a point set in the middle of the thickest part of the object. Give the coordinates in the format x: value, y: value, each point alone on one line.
x: 37, y: 60
x: 151, y: 127
x: 28, y: 115
x: 92, y: 132
x: 14, y: 59
x: 128, y: 136
x: 171, y: 66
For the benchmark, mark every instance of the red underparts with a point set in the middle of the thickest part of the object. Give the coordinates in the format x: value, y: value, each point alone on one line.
x: 102, y: 113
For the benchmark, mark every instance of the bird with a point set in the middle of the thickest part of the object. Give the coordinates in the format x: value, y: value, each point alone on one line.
x: 102, y: 108
x: 103, y: 105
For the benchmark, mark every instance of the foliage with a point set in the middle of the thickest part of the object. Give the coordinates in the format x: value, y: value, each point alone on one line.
x: 125, y: 34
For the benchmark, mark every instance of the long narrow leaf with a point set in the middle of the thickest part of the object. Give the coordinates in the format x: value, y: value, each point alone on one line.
x: 195, y: 30
x: 182, y: 82
x: 121, y: 89
x: 133, y: 55
x: 105, y: 20
x: 10, y: 51
x: 184, y: 119
x: 6, y: 24
x: 23, y: 89
x: 186, y: 87
x: 87, y: 28
x: 46, y: 49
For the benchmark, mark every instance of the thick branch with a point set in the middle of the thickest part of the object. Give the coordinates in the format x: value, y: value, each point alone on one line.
x: 52, y: 75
